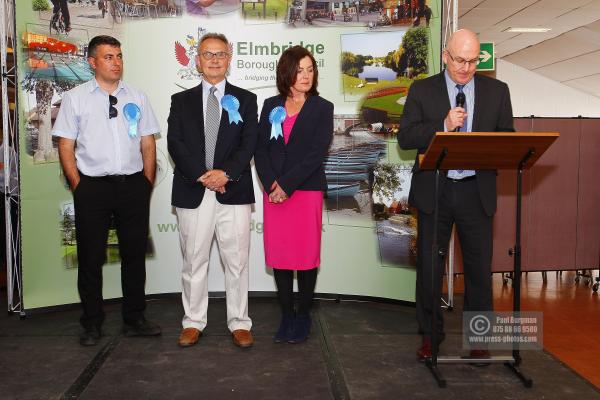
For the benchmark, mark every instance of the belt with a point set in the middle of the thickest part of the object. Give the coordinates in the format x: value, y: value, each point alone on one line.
x: 465, y: 179
x: 113, y: 178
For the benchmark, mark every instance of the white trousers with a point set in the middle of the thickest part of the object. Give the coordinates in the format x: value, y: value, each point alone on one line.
x: 197, y: 227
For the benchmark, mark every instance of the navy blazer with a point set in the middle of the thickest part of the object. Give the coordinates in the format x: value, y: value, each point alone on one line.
x: 235, y: 146
x: 424, y: 112
x: 297, y: 165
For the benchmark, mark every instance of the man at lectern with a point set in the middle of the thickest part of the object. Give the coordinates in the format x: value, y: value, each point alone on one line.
x: 107, y: 151
x: 454, y: 100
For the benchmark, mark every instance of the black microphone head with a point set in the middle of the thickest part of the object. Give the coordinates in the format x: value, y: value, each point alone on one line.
x: 460, y: 99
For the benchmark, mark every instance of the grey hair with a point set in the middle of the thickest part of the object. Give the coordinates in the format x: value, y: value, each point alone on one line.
x: 214, y: 35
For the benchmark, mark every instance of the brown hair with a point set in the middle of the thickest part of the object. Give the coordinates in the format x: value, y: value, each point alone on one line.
x: 287, y: 70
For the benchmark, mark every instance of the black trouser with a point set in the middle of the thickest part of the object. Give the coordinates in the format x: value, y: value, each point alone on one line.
x: 126, y: 199
x: 64, y: 8
x: 459, y: 204
x: 284, y: 279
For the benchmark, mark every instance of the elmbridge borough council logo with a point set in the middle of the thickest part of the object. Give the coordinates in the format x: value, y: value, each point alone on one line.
x: 186, y: 55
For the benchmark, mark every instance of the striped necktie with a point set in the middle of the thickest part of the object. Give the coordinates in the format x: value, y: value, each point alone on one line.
x: 211, y: 127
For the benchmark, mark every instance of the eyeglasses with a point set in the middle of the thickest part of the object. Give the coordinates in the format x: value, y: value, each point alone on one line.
x: 461, y: 62
x: 112, y: 111
x: 209, y: 55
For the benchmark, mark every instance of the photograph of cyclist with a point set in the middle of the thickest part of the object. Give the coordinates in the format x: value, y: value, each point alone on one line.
x: 64, y: 9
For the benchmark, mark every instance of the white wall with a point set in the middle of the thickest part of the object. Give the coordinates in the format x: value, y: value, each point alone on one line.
x: 534, y: 94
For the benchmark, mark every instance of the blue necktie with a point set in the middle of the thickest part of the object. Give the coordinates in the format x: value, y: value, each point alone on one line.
x: 464, y: 127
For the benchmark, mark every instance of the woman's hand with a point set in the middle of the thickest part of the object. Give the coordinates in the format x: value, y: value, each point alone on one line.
x: 277, y: 194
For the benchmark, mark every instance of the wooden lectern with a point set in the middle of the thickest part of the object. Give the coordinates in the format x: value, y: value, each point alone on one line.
x: 479, y: 151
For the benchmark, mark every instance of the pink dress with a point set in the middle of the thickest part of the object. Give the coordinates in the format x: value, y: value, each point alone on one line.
x: 292, y: 229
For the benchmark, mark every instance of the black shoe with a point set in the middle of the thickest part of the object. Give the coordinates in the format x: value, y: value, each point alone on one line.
x: 301, y: 329
x: 141, y: 327
x: 286, y: 329
x: 90, y: 336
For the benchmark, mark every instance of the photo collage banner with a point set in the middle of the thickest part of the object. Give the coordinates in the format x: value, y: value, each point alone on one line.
x: 368, y: 53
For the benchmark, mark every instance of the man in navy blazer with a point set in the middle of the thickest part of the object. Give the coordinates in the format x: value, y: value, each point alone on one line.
x: 211, y: 138
x: 466, y: 198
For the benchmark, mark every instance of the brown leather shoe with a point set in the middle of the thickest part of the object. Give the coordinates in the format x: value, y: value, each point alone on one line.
x: 189, y: 337
x: 242, y: 338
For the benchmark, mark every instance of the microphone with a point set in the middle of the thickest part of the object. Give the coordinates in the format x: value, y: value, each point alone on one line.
x: 460, y: 102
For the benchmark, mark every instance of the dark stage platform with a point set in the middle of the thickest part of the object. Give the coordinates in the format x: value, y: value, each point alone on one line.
x: 358, y: 350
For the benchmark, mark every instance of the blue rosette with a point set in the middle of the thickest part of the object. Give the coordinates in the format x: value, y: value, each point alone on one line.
x: 276, y: 118
x: 132, y: 115
x: 231, y: 104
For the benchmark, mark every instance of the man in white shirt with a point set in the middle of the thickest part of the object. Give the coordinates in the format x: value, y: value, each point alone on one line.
x: 108, y: 154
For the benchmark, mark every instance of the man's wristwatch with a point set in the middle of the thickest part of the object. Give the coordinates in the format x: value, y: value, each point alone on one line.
x: 227, y: 176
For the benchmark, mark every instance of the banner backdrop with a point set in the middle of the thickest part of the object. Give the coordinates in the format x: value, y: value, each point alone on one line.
x: 368, y: 53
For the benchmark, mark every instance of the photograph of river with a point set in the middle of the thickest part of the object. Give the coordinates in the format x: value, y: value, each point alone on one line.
x: 349, y: 166
x: 367, y: 187
x: 396, y: 224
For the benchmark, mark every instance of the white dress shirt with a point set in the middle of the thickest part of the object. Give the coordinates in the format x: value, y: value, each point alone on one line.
x: 103, y: 144
x: 219, y: 93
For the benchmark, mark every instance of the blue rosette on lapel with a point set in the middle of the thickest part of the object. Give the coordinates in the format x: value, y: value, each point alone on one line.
x: 276, y: 118
x: 132, y: 114
x: 232, y: 105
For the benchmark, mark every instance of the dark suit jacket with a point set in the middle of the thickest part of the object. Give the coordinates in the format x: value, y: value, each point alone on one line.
x: 297, y: 165
x: 235, y: 146
x: 426, y: 108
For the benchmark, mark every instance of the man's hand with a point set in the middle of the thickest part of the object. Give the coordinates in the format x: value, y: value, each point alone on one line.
x: 455, y: 119
x: 66, y: 152
x: 148, y: 148
x: 277, y: 194
x: 74, y: 183
x: 214, y: 180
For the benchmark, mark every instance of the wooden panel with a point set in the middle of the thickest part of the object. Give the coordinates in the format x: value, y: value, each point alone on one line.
x: 505, y: 221
x: 505, y: 217
x: 485, y: 150
x: 507, y: 200
x: 588, y: 217
x: 560, y: 204
x: 552, y: 205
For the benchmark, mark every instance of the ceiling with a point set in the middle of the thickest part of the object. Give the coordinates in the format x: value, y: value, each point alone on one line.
x: 569, y: 53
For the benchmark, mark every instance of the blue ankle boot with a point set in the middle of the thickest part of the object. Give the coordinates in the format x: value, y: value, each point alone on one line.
x: 286, y: 328
x: 301, y: 329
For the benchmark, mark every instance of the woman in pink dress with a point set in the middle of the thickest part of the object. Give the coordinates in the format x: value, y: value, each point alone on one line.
x: 295, y: 130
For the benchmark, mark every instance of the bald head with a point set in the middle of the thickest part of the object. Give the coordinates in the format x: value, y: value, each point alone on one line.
x: 460, y: 56
x: 463, y: 39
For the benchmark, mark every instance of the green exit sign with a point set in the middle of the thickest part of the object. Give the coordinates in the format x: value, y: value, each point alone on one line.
x: 487, y: 61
